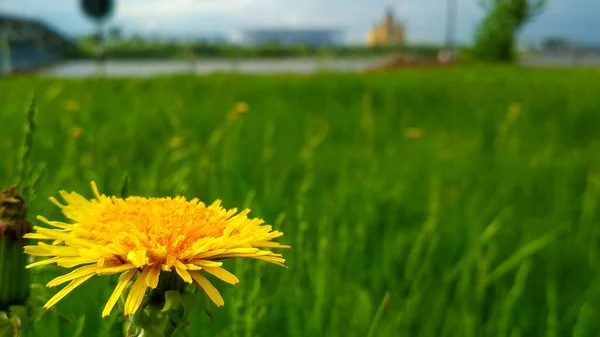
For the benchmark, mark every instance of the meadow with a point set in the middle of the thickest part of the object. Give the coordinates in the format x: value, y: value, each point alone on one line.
x: 455, y: 202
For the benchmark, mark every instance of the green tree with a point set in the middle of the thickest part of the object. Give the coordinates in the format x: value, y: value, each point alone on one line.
x: 496, y: 34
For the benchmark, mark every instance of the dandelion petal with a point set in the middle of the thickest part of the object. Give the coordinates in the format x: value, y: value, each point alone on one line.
x: 114, y: 297
x: 181, y: 269
x: 110, y: 270
x: 152, y: 279
x: 138, y: 258
x: 207, y: 263
x: 66, y: 290
x: 77, y: 273
x: 208, y: 288
x: 222, y: 274
x: 136, y: 294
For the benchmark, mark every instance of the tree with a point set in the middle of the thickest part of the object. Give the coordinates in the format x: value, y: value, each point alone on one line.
x: 496, y: 34
x: 115, y: 33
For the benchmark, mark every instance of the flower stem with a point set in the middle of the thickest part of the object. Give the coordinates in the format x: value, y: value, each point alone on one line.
x: 164, y: 311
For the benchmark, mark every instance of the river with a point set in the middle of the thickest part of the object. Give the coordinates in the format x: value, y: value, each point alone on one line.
x: 141, y: 68
x: 144, y: 68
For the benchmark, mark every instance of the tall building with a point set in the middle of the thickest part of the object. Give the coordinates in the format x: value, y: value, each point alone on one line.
x: 291, y: 36
x: 387, y: 32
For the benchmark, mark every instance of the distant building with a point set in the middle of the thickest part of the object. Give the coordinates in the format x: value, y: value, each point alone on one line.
x: 291, y: 36
x: 27, y: 44
x: 387, y: 32
x: 558, y: 44
x: 215, y: 39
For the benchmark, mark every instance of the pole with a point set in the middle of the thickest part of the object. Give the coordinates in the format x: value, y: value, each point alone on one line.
x: 100, y: 47
x: 5, y: 61
x: 450, y: 26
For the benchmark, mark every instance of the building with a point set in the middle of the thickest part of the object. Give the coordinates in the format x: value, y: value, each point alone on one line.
x: 27, y: 44
x: 387, y: 32
x: 293, y: 36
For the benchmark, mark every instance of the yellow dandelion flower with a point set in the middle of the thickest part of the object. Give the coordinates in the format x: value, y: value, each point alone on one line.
x: 76, y: 132
x: 241, y: 108
x: 175, y: 142
x: 514, y: 110
x: 72, y: 106
x: 147, y: 237
x: 413, y: 133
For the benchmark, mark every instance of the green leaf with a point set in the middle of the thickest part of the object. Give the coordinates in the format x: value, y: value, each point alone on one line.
x: 149, y: 321
x: 125, y: 185
x: 79, y: 327
x: 35, y: 303
x: 172, y: 300
x: 18, y: 311
x: 39, y: 294
x: 188, y: 300
x: 7, y: 326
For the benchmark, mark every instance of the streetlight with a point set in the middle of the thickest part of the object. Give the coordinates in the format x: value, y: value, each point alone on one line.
x: 98, y: 11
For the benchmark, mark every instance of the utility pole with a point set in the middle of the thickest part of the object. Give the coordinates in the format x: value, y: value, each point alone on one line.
x: 98, y: 11
x: 450, y: 26
x: 100, y: 47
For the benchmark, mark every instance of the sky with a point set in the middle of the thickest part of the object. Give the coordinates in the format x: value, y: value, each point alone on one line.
x: 425, y: 20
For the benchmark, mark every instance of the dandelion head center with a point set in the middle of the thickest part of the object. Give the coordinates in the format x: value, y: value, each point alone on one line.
x: 159, y: 225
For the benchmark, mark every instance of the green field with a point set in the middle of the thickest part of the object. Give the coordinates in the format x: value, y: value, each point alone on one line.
x: 140, y: 49
x: 468, y: 196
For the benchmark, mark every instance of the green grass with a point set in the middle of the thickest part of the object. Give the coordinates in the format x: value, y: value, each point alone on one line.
x: 143, y: 49
x: 487, y: 225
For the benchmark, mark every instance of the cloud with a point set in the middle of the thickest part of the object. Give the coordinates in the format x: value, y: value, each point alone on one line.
x: 36, y: 7
x: 174, y: 9
x: 425, y: 19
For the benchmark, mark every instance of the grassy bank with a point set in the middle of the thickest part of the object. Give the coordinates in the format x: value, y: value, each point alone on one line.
x: 458, y: 202
x: 178, y: 50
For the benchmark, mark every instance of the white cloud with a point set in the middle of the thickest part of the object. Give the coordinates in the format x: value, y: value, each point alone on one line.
x: 173, y: 10
x: 35, y: 8
x: 425, y: 19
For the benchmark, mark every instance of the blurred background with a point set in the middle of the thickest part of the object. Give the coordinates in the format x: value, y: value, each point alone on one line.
x: 151, y: 37
x: 433, y: 164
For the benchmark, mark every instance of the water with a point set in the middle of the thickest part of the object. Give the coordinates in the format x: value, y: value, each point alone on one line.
x: 563, y: 59
x: 142, y: 68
